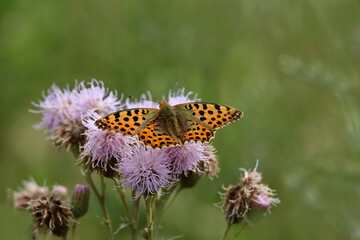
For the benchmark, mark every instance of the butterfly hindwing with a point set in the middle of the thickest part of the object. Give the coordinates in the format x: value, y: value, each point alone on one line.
x: 127, y: 121
x: 153, y: 136
x: 214, y: 115
x: 199, y: 134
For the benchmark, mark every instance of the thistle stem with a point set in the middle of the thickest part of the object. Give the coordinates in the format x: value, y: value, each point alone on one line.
x: 73, y: 230
x: 136, y: 203
x: 121, y: 192
x: 163, y: 203
x: 226, y: 231
x: 101, y: 199
x: 238, y: 233
x: 149, y: 205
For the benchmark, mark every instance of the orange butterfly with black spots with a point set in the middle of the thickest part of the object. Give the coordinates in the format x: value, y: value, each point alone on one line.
x: 171, y: 125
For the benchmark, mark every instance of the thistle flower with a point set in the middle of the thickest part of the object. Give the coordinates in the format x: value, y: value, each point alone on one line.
x: 208, y: 164
x: 96, y: 98
x: 250, y: 193
x: 145, y: 170
x: 186, y: 157
x: 60, y: 191
x: 80, y: 200
x: 56, y: 107
x: 180, y: 97
x: 30, y: 191
x: 102, y: 146
x: 51, y: 213
x: 63, y: 110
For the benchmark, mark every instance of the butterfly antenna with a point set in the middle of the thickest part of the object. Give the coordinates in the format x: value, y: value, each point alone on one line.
x: 175, y: 87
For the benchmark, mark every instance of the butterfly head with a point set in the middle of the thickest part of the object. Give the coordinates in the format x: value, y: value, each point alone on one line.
x: 166, y: 110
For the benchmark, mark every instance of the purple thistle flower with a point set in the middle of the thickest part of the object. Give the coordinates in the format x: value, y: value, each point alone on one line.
x: 180, y: 97
x: 262, y: 201
x: 96, y: 98
x: 60, y: 191
x: 102, y: 145
x: 63, y: 110
x: 187, y: 157
x: 145, y: 170
x: 56, y: 107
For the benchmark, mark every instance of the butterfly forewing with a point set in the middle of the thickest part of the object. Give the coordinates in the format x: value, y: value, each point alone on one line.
x: 128, y: 121
x: 154, y: 137
x: 214, y: 115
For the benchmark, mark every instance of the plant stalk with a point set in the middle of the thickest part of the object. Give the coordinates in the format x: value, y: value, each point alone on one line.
x: 226, y: 231
x: 149, y: 216
x: 101, y: 198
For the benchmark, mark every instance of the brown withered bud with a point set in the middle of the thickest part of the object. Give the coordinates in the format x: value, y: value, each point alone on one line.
x: 69, y: 135
x: 91, y: 166
x: 51, y: 213
x: 250, y: 193
x: 29, y: 192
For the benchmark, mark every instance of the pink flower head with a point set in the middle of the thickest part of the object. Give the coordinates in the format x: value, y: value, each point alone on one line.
x: 180, y: 97
x: 103, y: 145
x: 56, y: 107
x: 145, y: 170
x: 96, y: 98
x: 187, y: 157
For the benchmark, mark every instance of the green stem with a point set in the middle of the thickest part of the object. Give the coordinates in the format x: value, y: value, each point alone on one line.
x: 136, y: 204
x: 121, y: 192
x: 226, y: 231
x: 172, y: 197
x: 163, y: 203
x: 238, y: 233
x: 101, y: 199
x: 73, y: 230
x: 149, y: 216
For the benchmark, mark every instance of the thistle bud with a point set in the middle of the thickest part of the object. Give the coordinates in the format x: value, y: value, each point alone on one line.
x: 80, y: 200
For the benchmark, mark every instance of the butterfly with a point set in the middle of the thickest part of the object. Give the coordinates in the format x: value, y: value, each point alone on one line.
x: 171, y: 125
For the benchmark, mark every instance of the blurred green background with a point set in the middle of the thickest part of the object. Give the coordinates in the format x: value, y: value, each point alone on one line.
x: 291, y: 66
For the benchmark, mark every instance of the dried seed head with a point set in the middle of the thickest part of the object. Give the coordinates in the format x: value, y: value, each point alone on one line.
x: 30, y: 191
x: 107, y: 170
x: 249, y: 194
x: 234, y: 203
x: 211, y: 165
x: 51, y: 214
x: 69, y: 134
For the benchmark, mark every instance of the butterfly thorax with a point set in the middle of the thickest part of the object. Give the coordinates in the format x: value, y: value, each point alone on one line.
x: 169, y: 122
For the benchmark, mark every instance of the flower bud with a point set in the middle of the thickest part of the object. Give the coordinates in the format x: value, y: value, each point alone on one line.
x: 80, y: 200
